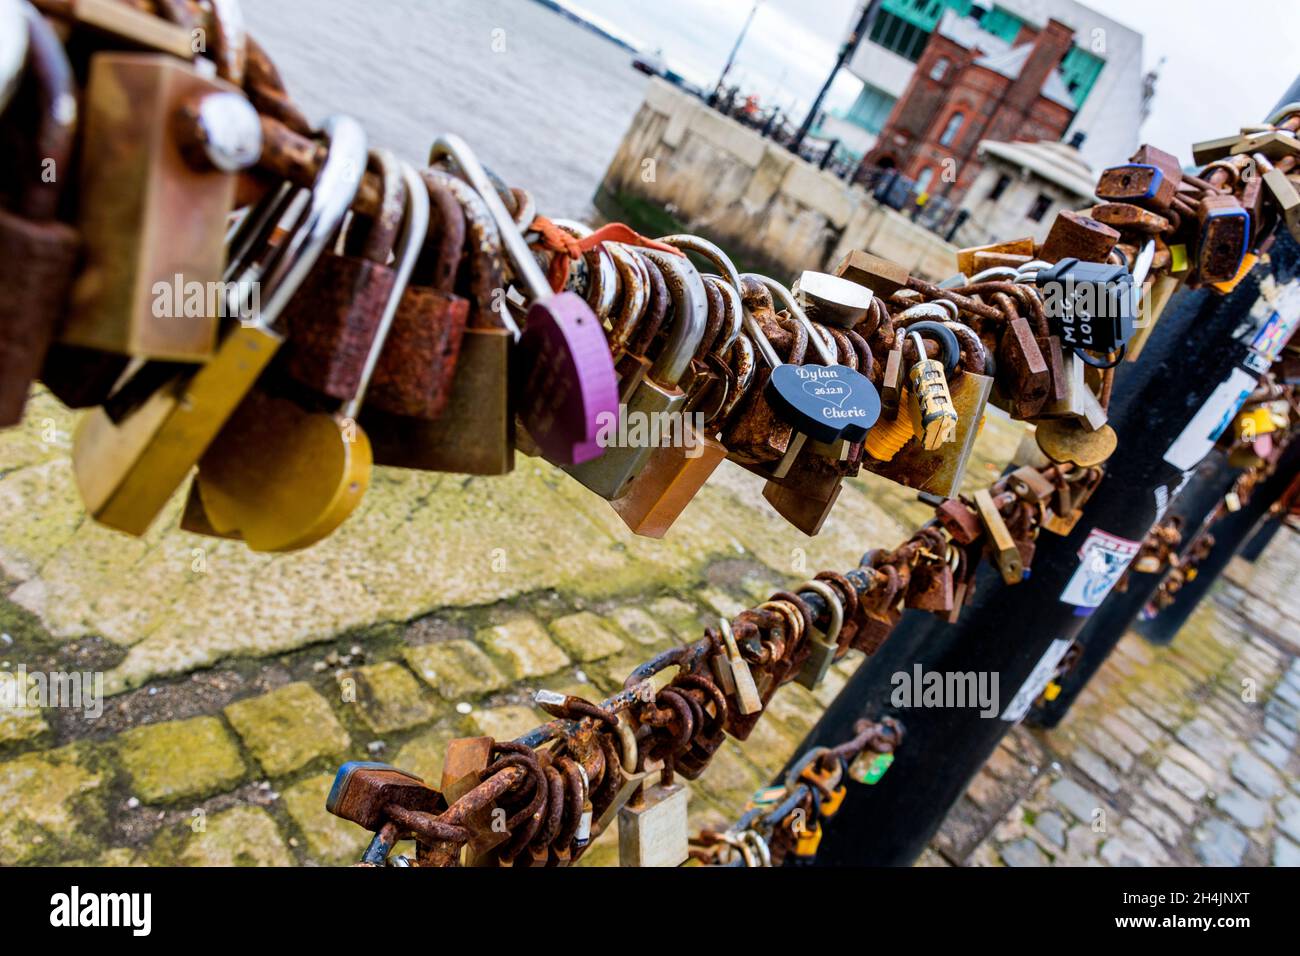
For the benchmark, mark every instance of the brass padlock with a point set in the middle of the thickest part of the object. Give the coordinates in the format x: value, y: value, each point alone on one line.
x: 881, y: 276
x: 652, y: 827
x: 894, y: 449
x: 658, y: 398
x: 1001, y: 544
x: 1014, y: 247
x: 475, y: 434
x: 823, y: 645
x: 283, y: 476
x: 131, y: 458
x: 167, y: 143
x: 113, y: 22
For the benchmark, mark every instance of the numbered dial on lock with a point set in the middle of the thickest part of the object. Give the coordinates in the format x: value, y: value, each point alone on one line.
x: 828, y: 403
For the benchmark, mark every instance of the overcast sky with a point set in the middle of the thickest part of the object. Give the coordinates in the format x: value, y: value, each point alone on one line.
x: 1225, y: 63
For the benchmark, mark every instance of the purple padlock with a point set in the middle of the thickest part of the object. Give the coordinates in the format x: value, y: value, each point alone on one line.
x: 563, y: 368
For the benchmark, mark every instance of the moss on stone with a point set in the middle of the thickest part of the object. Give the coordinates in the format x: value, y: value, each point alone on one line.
x: 242, y: 836
x: 180, y: 759
x: 586, y: 636
x: 388, y: 697
x: 330, y: 840
x: 288, y: 728
x: 49, y: 805
x: 457, y: 669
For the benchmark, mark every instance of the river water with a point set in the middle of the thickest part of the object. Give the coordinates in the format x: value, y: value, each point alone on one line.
x: 541, y: 100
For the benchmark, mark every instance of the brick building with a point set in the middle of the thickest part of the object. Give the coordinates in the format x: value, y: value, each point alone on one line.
x: 1102, y: 70
x: 961, y: 95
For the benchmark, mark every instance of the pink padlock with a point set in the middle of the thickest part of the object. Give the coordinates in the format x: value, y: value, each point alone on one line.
x: 564, y: 373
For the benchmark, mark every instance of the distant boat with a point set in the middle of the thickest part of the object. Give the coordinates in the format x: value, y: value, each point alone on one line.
x: 651, y: 64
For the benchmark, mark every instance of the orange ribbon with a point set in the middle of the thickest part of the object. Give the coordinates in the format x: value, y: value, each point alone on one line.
x: 568, y: 247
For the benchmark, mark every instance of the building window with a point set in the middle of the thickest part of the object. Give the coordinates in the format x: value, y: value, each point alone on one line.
x: 898, y: 36
x: 1080, y: 69
x: 924, y: 13
x: 871, y: 108
x: 923, y: 180
x: 1039, y: 209
x: 999, y: 187
x: 940, y: 69
x: 1002, y: 24
x: 950, y: 131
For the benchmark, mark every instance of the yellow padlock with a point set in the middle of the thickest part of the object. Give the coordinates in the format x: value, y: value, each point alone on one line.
x: 809, y: 838
x: 1253, y: 423
x: 283, y: 477
x: 131, y: 456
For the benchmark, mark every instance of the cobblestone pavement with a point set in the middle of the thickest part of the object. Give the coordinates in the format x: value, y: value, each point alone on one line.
x: 1179, y: 755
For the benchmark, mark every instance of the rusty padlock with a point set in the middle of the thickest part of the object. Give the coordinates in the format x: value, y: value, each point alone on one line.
x: 475, y: 434
x: 37, y: 252
x: 332, y: 320
x: 1224, y: 234
x: 1074, y: 235
x: 168, y: 141
x: 418, y: 365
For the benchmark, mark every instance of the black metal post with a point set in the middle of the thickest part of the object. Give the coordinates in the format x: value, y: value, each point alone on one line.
x: 1205, y: 488
x: 1230, y: 533
x: 731, y: 57
x: 846, y: 51
x: 1192, y: 363
x: 1260, y: 538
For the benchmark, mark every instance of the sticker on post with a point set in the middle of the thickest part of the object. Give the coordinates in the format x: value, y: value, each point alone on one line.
x: 1103, y: 559
x: 1210, y: 421
x: 1036, y: 681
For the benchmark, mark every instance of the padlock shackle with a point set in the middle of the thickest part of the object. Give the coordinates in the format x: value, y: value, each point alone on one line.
x: 737, y: 310
x: 786, y: 300
x: 229, y: 41
x: 947, y: 340
x: 634, y: 284
x: 484, y: 241
x: 516, y: 248
x: 13, y: 48
x: 56, y: 119
x: 607, y: 283
x: 688, y: 242
x: 380, y: 237
x: 336, y: 185
x: 410, y: 243
x: 690, y: 316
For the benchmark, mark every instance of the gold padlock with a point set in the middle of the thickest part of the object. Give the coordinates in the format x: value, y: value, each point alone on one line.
x: 937, y: 417
x: 283, y: 477
x: 167, y: 142
x: 475, y: 434
x: 130, y: 458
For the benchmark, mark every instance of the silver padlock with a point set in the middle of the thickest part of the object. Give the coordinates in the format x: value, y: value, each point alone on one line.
x: 657, y: 400
x: 824, y: 646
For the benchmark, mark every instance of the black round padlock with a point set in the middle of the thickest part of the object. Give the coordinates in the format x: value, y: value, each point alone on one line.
x: 828, y: 403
